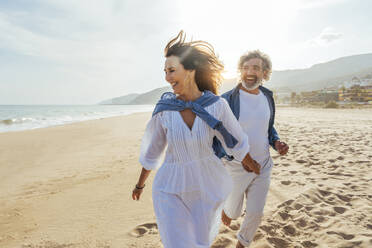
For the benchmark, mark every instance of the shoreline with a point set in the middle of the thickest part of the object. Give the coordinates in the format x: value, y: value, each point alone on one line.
x: 358, y: 107
x: 72, y: 122
x: 18, y: 118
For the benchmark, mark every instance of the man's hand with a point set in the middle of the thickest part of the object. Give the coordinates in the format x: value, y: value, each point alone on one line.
x: 251, y: 165
x: 281, y: 147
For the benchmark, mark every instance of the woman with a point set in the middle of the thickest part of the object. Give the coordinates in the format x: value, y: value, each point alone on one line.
x: 191, y: 184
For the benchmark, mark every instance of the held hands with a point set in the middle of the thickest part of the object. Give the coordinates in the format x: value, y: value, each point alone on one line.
x: 281, y: 147
x: 251, y: 165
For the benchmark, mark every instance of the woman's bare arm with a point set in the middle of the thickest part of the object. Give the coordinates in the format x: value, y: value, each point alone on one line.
x: 138, y: 189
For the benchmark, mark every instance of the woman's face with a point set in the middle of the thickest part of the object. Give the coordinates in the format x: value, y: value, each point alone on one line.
x: 176, y: 75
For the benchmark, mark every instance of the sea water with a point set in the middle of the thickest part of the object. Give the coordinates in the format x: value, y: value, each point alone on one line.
x: 25, y: 117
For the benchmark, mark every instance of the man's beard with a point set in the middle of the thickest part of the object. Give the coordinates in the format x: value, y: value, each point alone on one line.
x: 252, y: 86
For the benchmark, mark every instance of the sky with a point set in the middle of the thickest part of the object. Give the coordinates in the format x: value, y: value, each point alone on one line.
x: 87, y: 51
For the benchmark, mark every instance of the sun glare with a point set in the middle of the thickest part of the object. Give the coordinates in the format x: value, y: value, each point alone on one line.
x: 236, y: 26
x: 229, y: 74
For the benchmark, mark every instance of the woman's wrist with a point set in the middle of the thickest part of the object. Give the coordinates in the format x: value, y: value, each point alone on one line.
x: 138, y: 186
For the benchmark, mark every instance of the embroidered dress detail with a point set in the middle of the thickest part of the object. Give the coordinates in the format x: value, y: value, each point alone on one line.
x: 169, y: 102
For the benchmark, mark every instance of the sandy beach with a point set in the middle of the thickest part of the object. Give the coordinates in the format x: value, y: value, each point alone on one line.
x: 70, y: 186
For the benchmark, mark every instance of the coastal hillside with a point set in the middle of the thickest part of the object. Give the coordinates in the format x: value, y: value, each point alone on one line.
x: 318, y: 76
x: 120, y: 100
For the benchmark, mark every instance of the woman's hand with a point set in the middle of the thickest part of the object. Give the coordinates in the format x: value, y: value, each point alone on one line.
x: 136, y: 193
x: 138, y: 188
x: 251, y: 165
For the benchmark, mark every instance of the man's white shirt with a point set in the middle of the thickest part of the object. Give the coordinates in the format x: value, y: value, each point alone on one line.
x: 254, y: 119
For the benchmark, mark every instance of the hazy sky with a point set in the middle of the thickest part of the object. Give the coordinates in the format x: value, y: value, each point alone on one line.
x: 82, y: 52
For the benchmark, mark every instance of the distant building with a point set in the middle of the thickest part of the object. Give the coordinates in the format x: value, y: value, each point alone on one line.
x: 364, y: 81
x: 324, y: 95
x: 355, y: 93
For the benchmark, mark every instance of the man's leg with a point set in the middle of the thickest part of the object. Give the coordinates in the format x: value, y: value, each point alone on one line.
x: 256, y: 198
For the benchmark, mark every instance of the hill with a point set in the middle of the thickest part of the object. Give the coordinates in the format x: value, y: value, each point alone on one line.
x: 318, y: 76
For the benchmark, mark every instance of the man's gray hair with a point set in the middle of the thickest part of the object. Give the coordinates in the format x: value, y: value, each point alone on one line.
x: 266, y: 61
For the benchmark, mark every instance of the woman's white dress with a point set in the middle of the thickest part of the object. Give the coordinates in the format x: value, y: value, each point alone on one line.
x: 191, y: 184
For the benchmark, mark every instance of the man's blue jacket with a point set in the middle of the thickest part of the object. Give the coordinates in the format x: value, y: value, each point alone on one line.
x: 233, y: 98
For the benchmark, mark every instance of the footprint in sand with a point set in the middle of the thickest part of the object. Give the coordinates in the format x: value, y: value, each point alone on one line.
x: 301, y: 222
x: 361, y: 162
x: 147, y: 228
x: 298, y: 206
x: 320, y: 219
x: 284, y: 215
x: 340, y: 158
x: 285, y: 182
x: 289, y: 230
x: 222, y: 242
x: 270, y: 230
x: 278, y: 242
x: 301, y: 161
x: 344, y: 198
x: 259, y: 235
x: 324, y: 192
x: 342, y: 235
x: 309, y: 244
x: 286, y: 203
x: 339, y: 210
x: 354, y: 187
x: 311, y: 179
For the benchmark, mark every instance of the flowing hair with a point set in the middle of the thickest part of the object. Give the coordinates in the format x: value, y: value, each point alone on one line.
x: 199, y: 56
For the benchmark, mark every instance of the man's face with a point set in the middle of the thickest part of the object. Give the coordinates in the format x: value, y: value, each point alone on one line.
x: 252, y: 73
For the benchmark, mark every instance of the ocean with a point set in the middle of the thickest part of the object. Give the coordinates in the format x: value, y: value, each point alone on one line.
x: 26, y: 117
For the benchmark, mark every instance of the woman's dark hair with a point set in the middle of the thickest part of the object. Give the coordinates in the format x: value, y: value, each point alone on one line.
x: 199, y: 56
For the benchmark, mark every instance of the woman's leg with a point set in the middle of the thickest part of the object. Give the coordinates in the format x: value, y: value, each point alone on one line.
x: 174, y: 221
x: 200, y: 213
x: 205, y: 211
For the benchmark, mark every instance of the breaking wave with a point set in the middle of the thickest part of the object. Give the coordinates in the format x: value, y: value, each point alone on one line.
x: 16, y: 121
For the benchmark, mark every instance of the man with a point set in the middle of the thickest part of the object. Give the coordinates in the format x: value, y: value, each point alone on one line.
x: 253, y: 105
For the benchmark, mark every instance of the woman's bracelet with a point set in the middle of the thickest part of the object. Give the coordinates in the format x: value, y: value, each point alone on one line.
x: 140, y: 187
